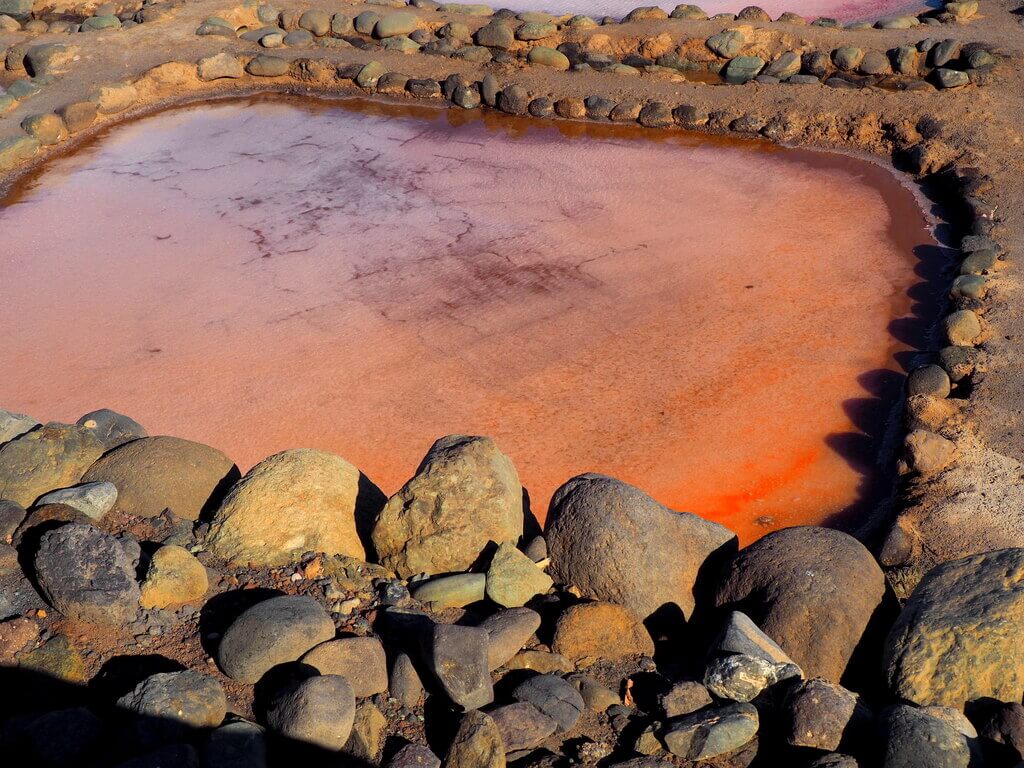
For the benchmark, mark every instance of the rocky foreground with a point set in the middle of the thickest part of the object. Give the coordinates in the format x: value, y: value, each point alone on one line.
x: 159, y: 609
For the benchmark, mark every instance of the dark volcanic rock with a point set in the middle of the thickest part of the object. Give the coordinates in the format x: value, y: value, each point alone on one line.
x: 826, y: 716
x: 457, y: 657
x: 913, y: 739
x: 112, y: 428
x: 170, y: 704
x: 522, y: 725
x: 318, y: 711
x: 553, y: 696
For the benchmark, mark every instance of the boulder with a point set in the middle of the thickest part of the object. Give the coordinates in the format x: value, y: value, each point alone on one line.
x: 318, y: 711
x: 52, y: 456
x: 93, y: 500
x: 555, y: 697
x: 152, y: 474
x: 404, y: 684
x: 812, y: 590
x: 457, y: 658
x: 957, y: 637
x: 315, y: 21
x: 14, y: 425
x: 522, y: 725
x: 615, y: 543
x: 465, y: 495
x: 477, y: 744
x: 393, y: 24
x: 175, y: 577
x: 50, y: 58
x: 273, y: 632
x: 87, y: 575
x: 710, y: 733
x: 600, y: 631
x: 507, y: 632
x: 513, y: 578
x: 294, y: 502
x: 79, y: 115
x: 360, y: 660
x: 824, y: 715
x: 169, y: 705
x: 913, y: 739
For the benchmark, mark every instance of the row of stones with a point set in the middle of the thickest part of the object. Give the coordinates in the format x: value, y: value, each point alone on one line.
x: 17, y: 17
x: 532, y: 38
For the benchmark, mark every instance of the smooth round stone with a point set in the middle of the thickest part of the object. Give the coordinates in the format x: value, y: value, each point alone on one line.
x: 548, y: 57
x: 847, y: 57
x: 170, y: 704
x: 507, y: 632
x: 298, y: 38
x: 272, y: 40
x: 969, y: 287
x: 360, y: 660
x: 743, y: 69
x: 272, y: 632
x: 319, y: 711
x: 175, y: 577
x: 392, y: 24
x: 553, y: 696
x: 453, y: 591
x: 928, y: 380
x: 366, y: 21
x: 267, y: 66
x: 533, y: 30
x: 112, y: 428
x: 958, y: 362
x: 315, y: 21
x: 400, y: 43
x: 92, y: 499
x: 963, y: 328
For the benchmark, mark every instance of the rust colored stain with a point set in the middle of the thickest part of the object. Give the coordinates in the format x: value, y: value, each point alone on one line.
x: 713, y: 321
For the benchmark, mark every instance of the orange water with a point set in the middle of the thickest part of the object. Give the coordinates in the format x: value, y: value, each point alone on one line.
x: 708, y: 320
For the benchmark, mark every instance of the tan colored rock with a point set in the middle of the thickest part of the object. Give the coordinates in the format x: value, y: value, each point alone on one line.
x: 175, y: 577
x: 360, y: 660
x: 513, y: 578
x: 51, y: 457
x: 114, y: 97
x: 465, y: 495
x: 477, y: 744
x: 157, y: 473
x: 16, y: 635
x: 928, y: 452
x: 293, y: 502
x: 366, y: 742
x: 600, y: 630
x: 958, y: 636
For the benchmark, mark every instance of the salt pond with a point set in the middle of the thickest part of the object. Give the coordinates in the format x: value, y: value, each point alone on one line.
x: 712, y: 321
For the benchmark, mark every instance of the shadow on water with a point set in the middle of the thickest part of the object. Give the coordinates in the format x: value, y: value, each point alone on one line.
x: 872, y: 450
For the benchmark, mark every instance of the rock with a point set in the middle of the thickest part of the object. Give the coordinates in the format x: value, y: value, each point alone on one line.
x: 455, y: 30
x: 477, y: 744
x: 53, y: 456
x: 812, y: 590
x: 318, y: 711
x: 496, y: 34
x: 684, y: 698
x: 405, y: 685
x: 267, y: 66
x: 655, y: 114
x: 742, y: 69
x: 596, y: 697
x: 210, y: 28
x: 93, y: 500
x: 392, y: 24
x: 929, y: 380
x: 298, y: 38
x: 451, y: 591
x: 457, y: 658
x: 958, y: 362
x: 906, y: 60
x: 169, y: 704
x: 367, y: 738
x: 507, y: 632
x: 536, y: 549
x: 80, y: 731
x: 600, y: 631
x: 823, y: 715
x: 341, y: 24
x: 847, y: 57
x: 112, y: 428
x: 928, y: 452
x: 466, y: 97
x: 50, y: 58
x: 536, y: 30
x: 177, y: 755
x: 57, y: 658
x: 639, y: 537
x: 315, y: 21
x: 875, y: 63
x: 424, y: 88
x: 522, y: 726
x: 956, y: 638
x: 414, y: 756
x: 514, y: 100
x: 12, y: 515
x: 175, y: 577
x: 152, y: 474
x: 114, y: 97
x: 513, y: 578
x: 370, y: 74
x: 365, y: 22
x: 952, y: 78
x: 739, y: 677
x: 48, y: 128
x: 786, y: 65
x: 962, y: 328
x: 753, y: 13
x: 548, y: 57
x: 86, y: 575
x: 360, y: 660
x: 273, y: 632
x: 540, y: 661
x: 14, y: 425
x: 16, y: 635
x: 913, y: 739
x: 710, y: 733
x: 689, y: 12
x: 293, y: 502
x: 944, y: 52
x: 553, y: 696
x: 465, y: 495
x: 727, y: 44
x: 16, y: 9
x: 1003, y: 725
x: 219, y: 66
x: 645, y: 13
x: 239, y: 744
x: 741, y: 635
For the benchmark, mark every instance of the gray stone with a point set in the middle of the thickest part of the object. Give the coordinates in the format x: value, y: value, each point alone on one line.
x: 366, y: 741
x: 112, y: 428
x: 360, y: 660
x: 742, y: 678
x: 962, y: 328
x: 639, y: 537
x: 514, y: 100
x: 958, y: 362
x: 267, y: 66
x: 786, y: 65
x: 465, y: 495
x: 906, y: 60
x: 727, y: 44
x: 536, y: 549
x: 12, y: 514
x: 952, y: 78
x: 453, y: 591
x: 944, y: 52
x: 298, y: 38
x: 272, y: 632
x: 216, y: 29
x: 742, y: 69
x: 496, y: 34
x: 17, y: 9
x: 741, y: 635
x: 710, y: 733
x: 689, y: 12
x: 826, y: 716
x: 467, y: 97
x: 96, y: 23
x: 47, y: 128
x: 477, y: 744
x: 457, y: 658
x: 92, y: 499
x: 414, y: 756
x: 404, y: 684
x: 847, y: 57
x: 684, y: 698
x: 239, y: 744
x: 513, y: 578
x: 522, y: 725
x: 169, y: 705
x: 392, y: 24
x: 656, y: 114
x: 536, y: 30
x: 315, y: 21
x: 50, y: 58
x: 50, y: 457
x: 318, y: 711
x: 341, y: 24
x: 86, y: 575
x: 929, y: 380
x: 14, y: 425
x: 875, y: 63
x: 553, y: 696
x: 596, y: 696
x: 221, y: 65
x: 507, y: 632
x: 914, y: 739
x: 365, y: 22
x: 548, y: 57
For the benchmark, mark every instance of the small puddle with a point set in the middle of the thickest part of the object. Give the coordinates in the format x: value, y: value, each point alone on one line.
x: 715, y: 321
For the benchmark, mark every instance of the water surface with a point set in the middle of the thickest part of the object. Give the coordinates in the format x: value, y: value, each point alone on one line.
x: 709, y: 320
x: 845, y: 10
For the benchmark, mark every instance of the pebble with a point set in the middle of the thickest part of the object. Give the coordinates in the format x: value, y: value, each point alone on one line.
x: 548, y: 57
x: 370, y: 74
x: 928, y: 452
x: 263, y: 65
x: 958, y: 362
x: 315, y: 21
x: 48, y: 128
x: 404, y: 684
x: 951, y: 78
x: 414, y: 756
x: 929, y: 380
x: 727, y: 44
x: 238, y: 744
x: 366, y: 21
x: 92, y: 499
x: 496, y: 34
x: 741, y: 635
x: 392, y: 24
x: 596, y: 696
x: 599, y: 630
x: 743, y: 69
x: 513, y: 578
x: 319, y: 711
x: 14, y: 425
x: 522, y: 725
x: 826, y: 716
x: 366, y: 740
x: 553, y: 696
x: 913, y: 739
x: 962, y: 328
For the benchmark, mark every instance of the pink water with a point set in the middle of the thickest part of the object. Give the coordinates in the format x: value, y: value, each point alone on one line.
x: 702, y: 318
x: 844, y: 10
